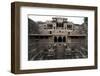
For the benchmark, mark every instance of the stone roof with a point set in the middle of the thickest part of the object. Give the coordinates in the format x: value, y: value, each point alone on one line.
x: 76, y: 34
x: 40, y: 34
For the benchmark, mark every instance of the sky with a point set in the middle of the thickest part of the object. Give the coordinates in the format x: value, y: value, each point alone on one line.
x: 43, y: 18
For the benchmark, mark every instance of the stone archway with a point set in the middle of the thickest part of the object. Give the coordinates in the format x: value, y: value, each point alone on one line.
x: 60, y: 39
x: 64, y: 39
x: 55, y: 39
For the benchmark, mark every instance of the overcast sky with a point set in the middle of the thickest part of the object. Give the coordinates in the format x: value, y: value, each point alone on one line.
x: 43, y: 18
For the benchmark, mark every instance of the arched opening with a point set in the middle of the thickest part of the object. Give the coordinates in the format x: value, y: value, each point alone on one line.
x: 50, y: 32
x: 69, y: 27
x: 64, y: 39
x: 55, y: 39
x: 59, y: 39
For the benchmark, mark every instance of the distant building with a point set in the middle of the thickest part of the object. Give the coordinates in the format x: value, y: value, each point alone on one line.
x: 60, y: 31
